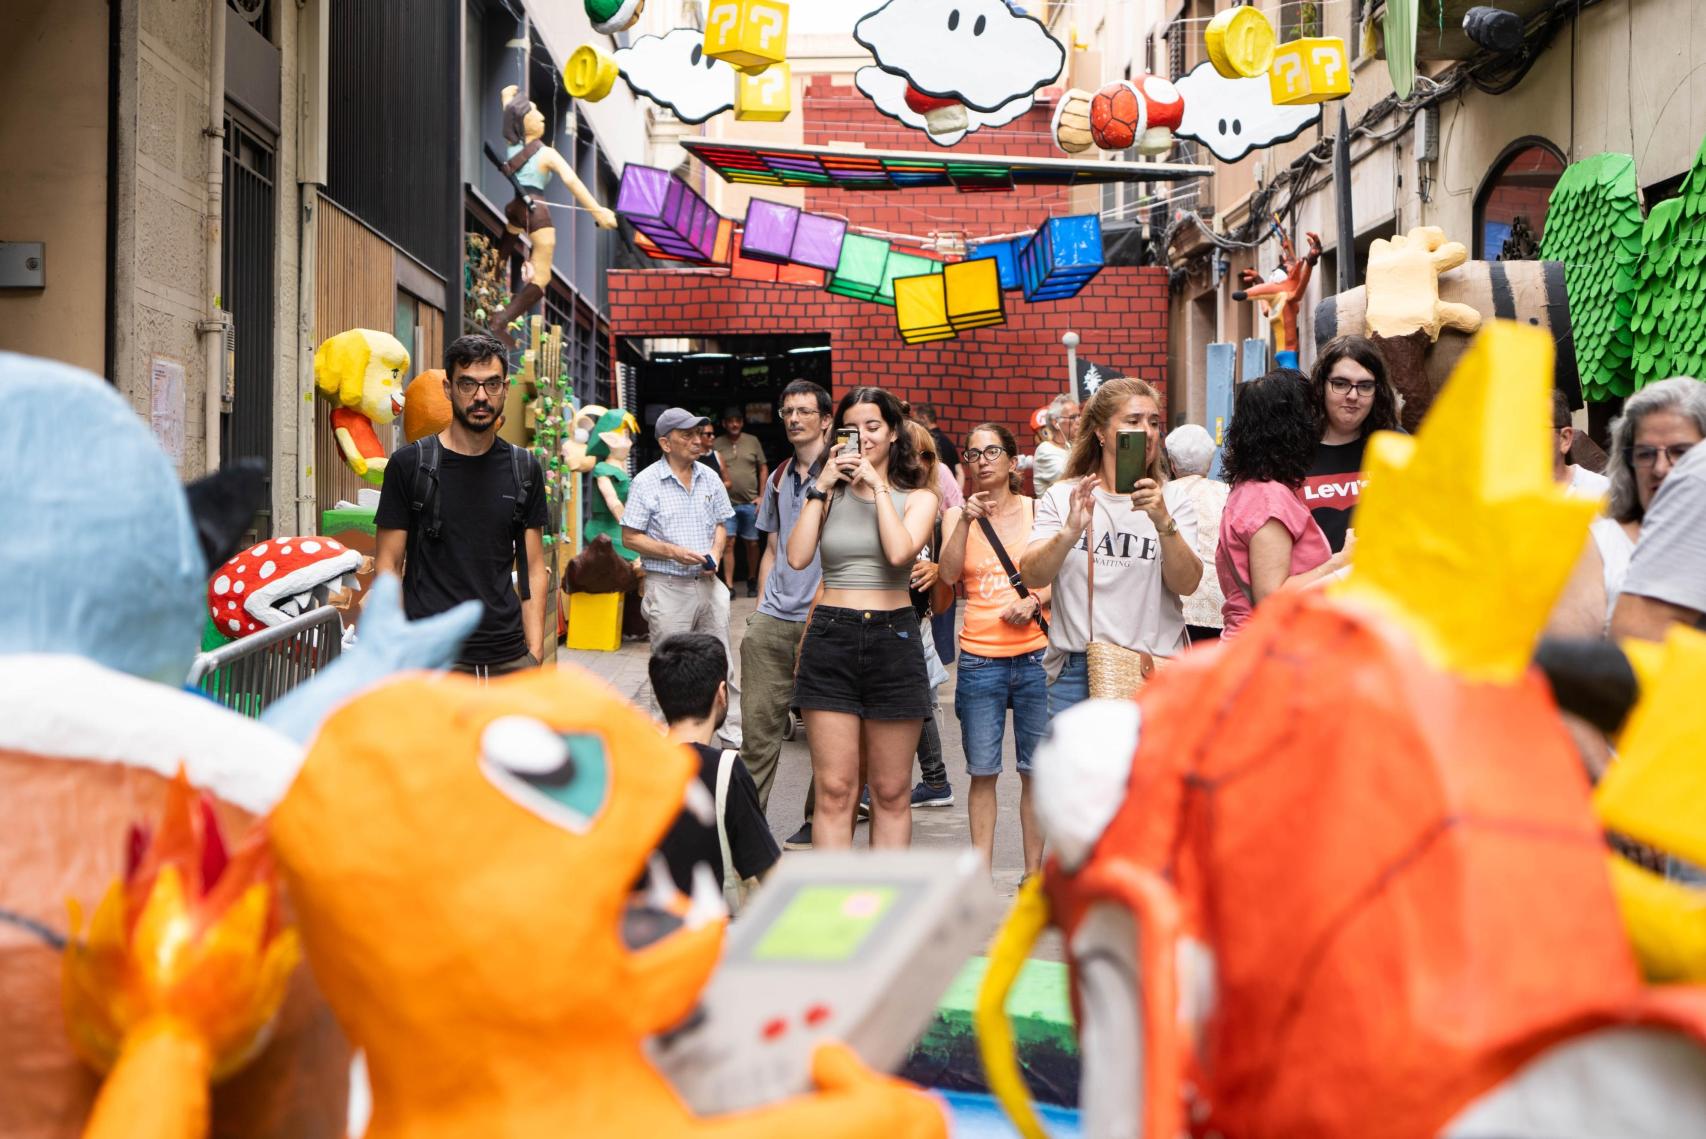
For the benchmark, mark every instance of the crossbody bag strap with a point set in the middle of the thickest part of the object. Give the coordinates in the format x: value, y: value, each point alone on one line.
x: 1013, y: 577
x: 1090, y: 574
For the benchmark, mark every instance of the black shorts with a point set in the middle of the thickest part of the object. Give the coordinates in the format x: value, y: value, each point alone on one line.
x: 866, y: 662
x: 532, y: 220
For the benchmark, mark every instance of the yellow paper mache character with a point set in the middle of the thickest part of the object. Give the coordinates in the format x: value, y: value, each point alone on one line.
x: 361, y: 372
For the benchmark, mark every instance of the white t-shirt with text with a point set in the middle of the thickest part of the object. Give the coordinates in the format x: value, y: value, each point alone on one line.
x: 1134, y: 608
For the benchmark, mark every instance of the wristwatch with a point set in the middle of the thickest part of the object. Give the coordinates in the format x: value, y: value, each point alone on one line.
x: 813, y: 494
x: 1170, y: 529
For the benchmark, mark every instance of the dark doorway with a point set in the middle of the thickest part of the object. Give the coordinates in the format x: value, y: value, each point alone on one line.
x: 708, y: 375
x: 249, y: 228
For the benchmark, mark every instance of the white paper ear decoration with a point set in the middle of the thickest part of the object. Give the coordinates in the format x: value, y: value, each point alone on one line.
x: 889, y: 92
x: 978, y: 52
x: 1232, y: 117
x: 673, y: 71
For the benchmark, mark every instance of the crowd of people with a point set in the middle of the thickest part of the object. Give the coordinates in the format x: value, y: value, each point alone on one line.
x: 862, y: 543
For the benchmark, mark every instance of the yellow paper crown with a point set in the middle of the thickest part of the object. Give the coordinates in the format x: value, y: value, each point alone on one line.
x: 1462, y: 536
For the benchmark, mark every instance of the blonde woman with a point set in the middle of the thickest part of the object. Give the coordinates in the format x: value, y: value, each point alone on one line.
x: 1146, y: 559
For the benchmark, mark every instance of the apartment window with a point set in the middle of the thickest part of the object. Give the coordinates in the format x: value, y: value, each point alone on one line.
x: 1299, y: 18
x: 1518, y: 186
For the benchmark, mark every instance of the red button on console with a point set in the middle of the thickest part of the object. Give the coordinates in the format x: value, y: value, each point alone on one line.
x: 773, y: 1029
x: 816, y: 1015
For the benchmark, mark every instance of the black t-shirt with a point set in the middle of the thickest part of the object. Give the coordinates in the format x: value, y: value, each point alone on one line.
x: 474, y: 555
x: 946, y: 452
x: 750, y: 841
x: 1333, y: 487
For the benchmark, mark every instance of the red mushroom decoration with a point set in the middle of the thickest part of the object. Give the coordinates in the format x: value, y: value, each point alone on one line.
x: 1164, y: 112
x: 941, y: 116
x: 272, y: 582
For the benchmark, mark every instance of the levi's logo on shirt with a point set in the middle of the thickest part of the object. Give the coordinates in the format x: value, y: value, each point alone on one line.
x: 1333, y: 490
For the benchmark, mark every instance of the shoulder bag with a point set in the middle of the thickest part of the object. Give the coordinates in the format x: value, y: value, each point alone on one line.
x: 1013, y: 578
x: 1115, y: 672
x: 735, y: 888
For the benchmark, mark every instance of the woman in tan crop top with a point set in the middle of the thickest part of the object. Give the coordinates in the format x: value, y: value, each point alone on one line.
x: 861, y: 684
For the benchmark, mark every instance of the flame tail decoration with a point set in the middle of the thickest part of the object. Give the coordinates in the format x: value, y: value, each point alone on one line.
x: 180, y: 976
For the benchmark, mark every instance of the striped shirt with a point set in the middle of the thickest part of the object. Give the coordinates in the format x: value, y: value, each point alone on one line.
x: 661, y: 508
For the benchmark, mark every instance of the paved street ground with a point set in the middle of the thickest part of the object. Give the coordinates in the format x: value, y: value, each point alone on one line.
x: 941, y: 826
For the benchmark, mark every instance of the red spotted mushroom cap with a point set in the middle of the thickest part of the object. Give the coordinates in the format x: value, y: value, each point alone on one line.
x: 1165, y: 105
x: 276, y: 580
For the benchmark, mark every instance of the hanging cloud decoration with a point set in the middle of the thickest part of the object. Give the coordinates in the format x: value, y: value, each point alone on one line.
x: 888, y: 92
x: 978, y: 52
x: 673, y: 71
x: 1232, y: 117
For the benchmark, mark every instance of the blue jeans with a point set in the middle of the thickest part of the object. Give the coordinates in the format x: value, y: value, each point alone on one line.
x: 942, y: 628
x: 743, y: 524
x: 987, y: 688
x: 1071, y: 687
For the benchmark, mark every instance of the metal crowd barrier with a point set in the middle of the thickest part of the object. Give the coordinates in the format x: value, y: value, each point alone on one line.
x: 247, y: 675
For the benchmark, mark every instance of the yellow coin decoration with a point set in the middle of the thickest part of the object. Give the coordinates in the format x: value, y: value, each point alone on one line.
x: 1240, y: 43
x: 589, y: 74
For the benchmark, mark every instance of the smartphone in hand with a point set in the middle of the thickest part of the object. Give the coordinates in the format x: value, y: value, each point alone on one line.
x: 847, y: 441
x: 1129, y: 459
x: 710, y: 566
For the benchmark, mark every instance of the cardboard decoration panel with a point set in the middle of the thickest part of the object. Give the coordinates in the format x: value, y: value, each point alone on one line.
x: 749, y: 34
x: 902, y: 265
x: 768, y: 234
x: 669, y: 211
x: 1061, y: 257
x: 1593, y: 226
x: 1005, y: 254
x: 859, y: 273
x: 817, y: 241
x: 767, y: 97
x: 744, y: 268
x: 1310, y: 71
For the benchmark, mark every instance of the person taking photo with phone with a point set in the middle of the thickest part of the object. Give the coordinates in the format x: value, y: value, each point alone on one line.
x: 676, y: 520
x: 1124, y: 605
x: 862, y: 685
x: 1004, y: 637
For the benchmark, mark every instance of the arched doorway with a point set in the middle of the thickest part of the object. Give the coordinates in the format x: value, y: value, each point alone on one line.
x: 1510, y: 206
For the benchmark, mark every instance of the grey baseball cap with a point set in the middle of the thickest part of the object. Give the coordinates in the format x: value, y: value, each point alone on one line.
x: 676, y: 418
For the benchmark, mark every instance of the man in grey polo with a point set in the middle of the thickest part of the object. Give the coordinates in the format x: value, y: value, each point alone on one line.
x: 674, y: 519
x: 772, y: 643
x: 1666, y: 582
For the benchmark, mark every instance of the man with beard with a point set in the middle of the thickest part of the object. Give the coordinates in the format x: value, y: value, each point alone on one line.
x: 459, y: 508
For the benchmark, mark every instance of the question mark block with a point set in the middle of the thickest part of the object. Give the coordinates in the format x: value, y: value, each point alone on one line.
x: 1310, y: 71
x: 748, y: 34
x: 767, y: 97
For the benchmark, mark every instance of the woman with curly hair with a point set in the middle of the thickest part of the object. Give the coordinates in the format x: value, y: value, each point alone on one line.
x: 862, y: 684
x: 1352, y: 399
x: 1268, y: 539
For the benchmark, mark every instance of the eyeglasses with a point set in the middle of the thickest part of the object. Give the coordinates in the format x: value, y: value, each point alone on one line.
x: 1649, y: 456
x: 466, y: 386
x: 1345, y: 387
x: 800, y: 413
x: 988, y: 454
x: 1073, y: 418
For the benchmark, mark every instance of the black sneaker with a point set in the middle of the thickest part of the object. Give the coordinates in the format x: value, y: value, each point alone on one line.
x: 752, y: 589
x: 800, y: 839
x: 927, y: 795
x: 862, y: 813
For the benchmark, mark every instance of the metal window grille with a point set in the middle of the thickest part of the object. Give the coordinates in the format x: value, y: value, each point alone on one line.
x: 250, y: 674
x: 247, y: 254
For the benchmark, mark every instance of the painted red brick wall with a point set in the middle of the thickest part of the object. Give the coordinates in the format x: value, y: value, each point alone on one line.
x: 1003, y: 373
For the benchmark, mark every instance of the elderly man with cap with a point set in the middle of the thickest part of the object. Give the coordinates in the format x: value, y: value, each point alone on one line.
x: 675, y: 519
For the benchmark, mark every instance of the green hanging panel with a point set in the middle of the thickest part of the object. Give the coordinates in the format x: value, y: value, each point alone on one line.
x: 1593, y: 226
x: 1401, y: 24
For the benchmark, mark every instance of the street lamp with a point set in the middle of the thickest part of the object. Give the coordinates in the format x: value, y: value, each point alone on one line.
x: 1070, y: 341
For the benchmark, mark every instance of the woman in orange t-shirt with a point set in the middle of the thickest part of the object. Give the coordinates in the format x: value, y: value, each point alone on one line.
x: 1003, y: 638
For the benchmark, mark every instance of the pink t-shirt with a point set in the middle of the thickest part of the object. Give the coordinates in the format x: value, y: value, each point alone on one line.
x: 1249, y: 507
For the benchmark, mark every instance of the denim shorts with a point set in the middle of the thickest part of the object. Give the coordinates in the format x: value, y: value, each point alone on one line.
x: 866, y: 662
x: 1071, y: 687
x: 987, y: 688
x: 744, y: 523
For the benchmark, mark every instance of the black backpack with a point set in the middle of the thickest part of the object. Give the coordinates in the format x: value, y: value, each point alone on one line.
x: 425, y: 522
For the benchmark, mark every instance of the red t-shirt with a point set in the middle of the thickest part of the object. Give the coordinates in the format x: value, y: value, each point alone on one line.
x: 1249, y: 507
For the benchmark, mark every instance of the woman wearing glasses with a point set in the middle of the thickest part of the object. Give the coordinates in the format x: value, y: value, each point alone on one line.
x: 1004, y: 636
x: 1268, y: 538
x: 1353, y: 400
x: 1659, y: 425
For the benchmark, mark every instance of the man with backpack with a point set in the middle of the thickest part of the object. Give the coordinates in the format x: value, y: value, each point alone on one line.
x: 459, y: 508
